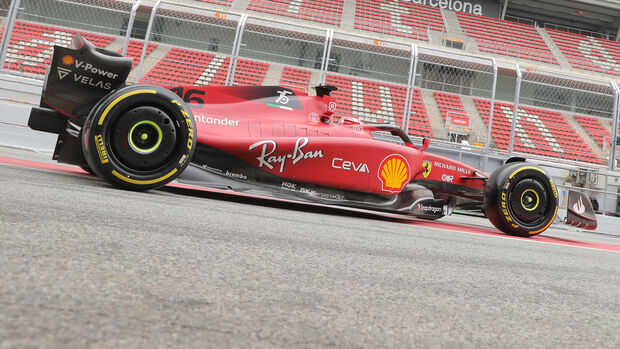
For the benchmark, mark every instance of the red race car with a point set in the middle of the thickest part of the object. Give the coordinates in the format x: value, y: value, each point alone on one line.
x: 141, y: 137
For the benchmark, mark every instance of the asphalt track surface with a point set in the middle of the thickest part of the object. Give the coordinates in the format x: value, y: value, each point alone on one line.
x: 83, y: 264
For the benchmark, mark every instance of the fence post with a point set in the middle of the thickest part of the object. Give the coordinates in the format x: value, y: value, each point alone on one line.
x: 132, y: 18
x: 489, y: 134
x: 146, y: 40
x: 232, y: 66
x: 515, y: 111
x: 327, y: 50
x: 413, y: 64
x: 614, y: 131
x: 10, y: 24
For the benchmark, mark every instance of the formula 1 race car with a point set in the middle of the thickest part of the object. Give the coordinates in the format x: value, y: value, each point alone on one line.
x: 141, y: 137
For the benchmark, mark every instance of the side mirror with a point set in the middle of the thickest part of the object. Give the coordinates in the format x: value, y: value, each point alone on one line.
x: 425, y: 143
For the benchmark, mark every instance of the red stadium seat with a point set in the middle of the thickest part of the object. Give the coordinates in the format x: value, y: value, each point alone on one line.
x: 405, y: 19
x: 595, y: 129
x: 188, y: 67
x: 588, y: 53
x: 134, y: 50
x: 538, y: 131
x: 295, y: 78
x: 378, y: 102
x: 31, y: 45
x: 506, y: 38
x: 226, y: 3
x: 326, y: 11
x: 451, y: 104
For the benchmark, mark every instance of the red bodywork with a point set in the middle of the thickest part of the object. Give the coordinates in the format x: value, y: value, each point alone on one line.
x: 295, y: 136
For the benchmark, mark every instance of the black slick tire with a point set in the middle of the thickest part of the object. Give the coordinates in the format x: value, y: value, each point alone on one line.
x: 139, y: 137
x: 520, y: 199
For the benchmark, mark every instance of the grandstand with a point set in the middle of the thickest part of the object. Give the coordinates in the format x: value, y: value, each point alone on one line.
x: 324, y: 11
x: 294, y: 78
x: 588, y: 53
x: 538, y: 131
x: 134, y: 50
x: 31, y: 45
x: 506, y: 38
x: 376, y: 102
x: 199, y: 68
x: 452, y: 105
x: 404, y: 19
x: 190, y: 42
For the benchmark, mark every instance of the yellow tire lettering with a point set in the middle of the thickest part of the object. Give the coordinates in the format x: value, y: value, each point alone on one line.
x: 103, y: 155
x: 120, y: 98
x: 176, y: 102
x: 555, y: 192
x: 143, y: 182
x: 526, y: 168
x: 507, y: 216
x: 190, y: 129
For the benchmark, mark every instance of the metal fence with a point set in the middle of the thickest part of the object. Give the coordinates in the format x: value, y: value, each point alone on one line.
x: 192, y: 45
x: 546, y: 116
x: 293, y: 54
x: 502, y: 109
x: 459, y: 80
x: 373, y: 79
x: 511, y: 110
x: 35, y: 26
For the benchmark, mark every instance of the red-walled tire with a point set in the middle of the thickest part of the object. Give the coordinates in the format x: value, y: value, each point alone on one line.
x: 520, y: 199
x: 139, y: 137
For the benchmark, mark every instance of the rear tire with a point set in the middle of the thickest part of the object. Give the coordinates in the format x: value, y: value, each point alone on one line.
x: 88, y: 170
x: 139, y: 137
x: 520, y: 199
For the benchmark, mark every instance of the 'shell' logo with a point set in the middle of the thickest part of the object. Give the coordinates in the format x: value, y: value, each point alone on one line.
x: 68, y: 60
x: 394, y: 173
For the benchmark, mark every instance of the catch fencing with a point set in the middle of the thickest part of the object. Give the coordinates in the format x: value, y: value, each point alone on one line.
x: 457, y: 80
x: 33, y: 27
x: 190, y: 45
x: 446, y: 94
x: 373, y: 79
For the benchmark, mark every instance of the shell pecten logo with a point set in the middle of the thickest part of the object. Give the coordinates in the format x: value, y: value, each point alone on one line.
x: 394, y: 173
x: 68, y: 60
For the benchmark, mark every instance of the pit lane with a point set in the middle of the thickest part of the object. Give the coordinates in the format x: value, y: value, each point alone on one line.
x: 87, y: 264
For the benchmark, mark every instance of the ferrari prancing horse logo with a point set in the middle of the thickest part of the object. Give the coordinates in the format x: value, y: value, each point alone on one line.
x: 427, y: 168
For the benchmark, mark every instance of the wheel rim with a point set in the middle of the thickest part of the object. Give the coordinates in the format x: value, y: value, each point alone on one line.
x: 143, y: 138
x: 529, y: 202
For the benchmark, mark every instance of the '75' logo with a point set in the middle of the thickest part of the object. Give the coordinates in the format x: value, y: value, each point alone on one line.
x: 283, y: 99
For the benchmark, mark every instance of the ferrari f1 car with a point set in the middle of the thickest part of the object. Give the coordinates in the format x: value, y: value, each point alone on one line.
x: 141, y: 137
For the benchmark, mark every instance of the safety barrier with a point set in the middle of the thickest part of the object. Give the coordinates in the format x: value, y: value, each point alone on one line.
x: 503, y: 109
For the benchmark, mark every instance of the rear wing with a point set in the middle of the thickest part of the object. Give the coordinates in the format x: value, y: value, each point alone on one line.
x: 77, y: 79
x: 80, y: 75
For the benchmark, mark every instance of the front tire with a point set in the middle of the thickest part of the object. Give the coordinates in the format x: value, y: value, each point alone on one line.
x: 520, y: 199
x: 139, y: 137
